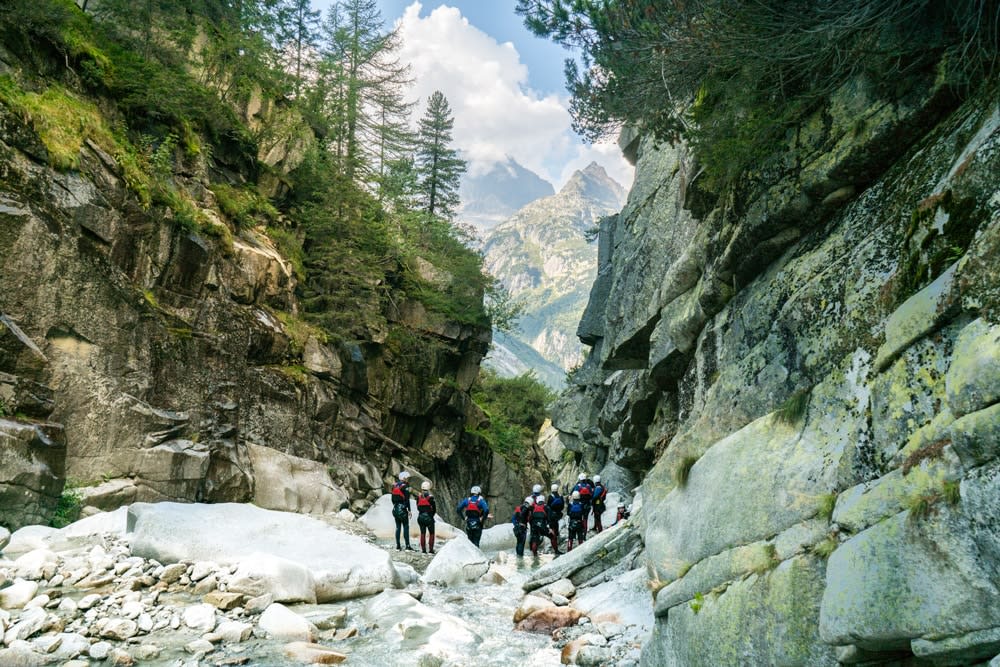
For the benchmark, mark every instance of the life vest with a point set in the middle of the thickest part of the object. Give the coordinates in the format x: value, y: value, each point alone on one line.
x: 599, y: 495
x: 472, y: 506
x: 575, y: 510
x: 424, y: 504
x: 399, y: 493
x: 585, y: 491
x: 556, y: 504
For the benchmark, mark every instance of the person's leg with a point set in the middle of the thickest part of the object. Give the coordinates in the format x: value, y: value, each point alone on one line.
x: 554, y: 534
x: 406, y: 533
x: 597, y: 519
x: 430, y: 529
x: 423, y: 532
x: 399, y: 527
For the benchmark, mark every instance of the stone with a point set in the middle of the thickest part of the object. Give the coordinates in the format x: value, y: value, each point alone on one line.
x: 405, y: 622
x: 283, y: 579
x: 258, y: 604
x: 132, y: 609
x: 99, y: 650
x: 29, y: 538
x: 529, y: 605
x: 224, y: 601
x: 18, y: 594
x: 546, y: 621
x: 173, y: 572
x: 328, y: 619
x: 593, y: 656
x: 498, y: 538
x: 282, y: 623
x: 120, y: 629
x: 966, y: 649
x: 88, y: 601
x: 973, y: 379
x: 199, y: 647
x: 313, y: 654
x: 38, y: 601
x: 29, y: 623
x: 147, y: 652
x: 233, y: 632
x: 563, y: 587
x: 200, y: 617
x: 71, y: 645
x: 341, y: 565
x: 293, y: 484
x: 34, y: 564
x: 458, y: 562
x: 206, y: 585
x: 975, y: 437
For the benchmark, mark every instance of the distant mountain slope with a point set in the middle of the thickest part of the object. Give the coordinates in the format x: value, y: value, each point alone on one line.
x: 491, y: 197
x: 542, y: 255
x: 511, y: 357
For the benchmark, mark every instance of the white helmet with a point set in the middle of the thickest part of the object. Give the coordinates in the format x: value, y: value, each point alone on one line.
x: 426, y: 486
x: 404, y: 475
x: 540, y: 500
x: 555, y: 487
x: 582, y: 476
x: 597, y: 478
x: 475, y: 490
x: 529, y: 500
x: 537, y: 488
x: 576, y: 495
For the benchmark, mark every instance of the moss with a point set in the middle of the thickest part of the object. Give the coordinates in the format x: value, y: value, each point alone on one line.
x: 697, y: 603
x: 290, y: 247
x: 951, y: 491
x: 683, y: 569
x: 683, y: 470
x: 825, y: 547
x: 181, y: 333
x: 825, y: 506
x: 62, y: 120
x: 922, y: 505
x: 150, y: 298
x: 245, y: 207
x: 299, y: 331
x: 766, y: 560
x: 296, y: 373
x: 793, y: 410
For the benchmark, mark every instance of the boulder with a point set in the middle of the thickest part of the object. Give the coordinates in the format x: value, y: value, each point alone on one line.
x: 498, y: 538
x: 28, y: 539
x: 200, y: 617
x: 313, y: 654
x: 458, y: 562
x: 622, y: 600
x: 529, y: 605
x: 378, y: 519
x: 548, y: 620
x: 17, y: 594
x: 280, y: 622
x: 293, y: 484
x: 32, y: 474
x: 342, y: 566
x: 405, y: 623
x: 283, y: 579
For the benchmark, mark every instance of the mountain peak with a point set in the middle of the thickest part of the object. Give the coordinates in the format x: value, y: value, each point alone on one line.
x: 593, y: 182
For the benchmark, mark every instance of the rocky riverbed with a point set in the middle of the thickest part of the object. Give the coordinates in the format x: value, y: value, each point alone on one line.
x: 198, y: 585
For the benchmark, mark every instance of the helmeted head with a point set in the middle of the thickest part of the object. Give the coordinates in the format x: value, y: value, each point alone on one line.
x: 576, y: 495
x: 425, y: 486
x: 540, y: 500
x: 529, y: 500
x: 475, y: 490
x: 597, y: 479
x: 555, y: 487
x: 403, y: 476
x: 537, y: 488
x: 582, y: 476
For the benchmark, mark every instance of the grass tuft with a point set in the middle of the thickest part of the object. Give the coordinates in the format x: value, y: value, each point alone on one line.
x: 825, y: 506
x: 683, y: 470
x: 793, y: 410
x: 951, y: 491
x: 923, y: 505
x: 825, y: 547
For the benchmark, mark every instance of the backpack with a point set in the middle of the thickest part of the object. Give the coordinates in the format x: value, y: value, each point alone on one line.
x: 556, y: 504
x: 600, y: 493
x: 585, y: 491
x: 539, y: 517
x: 576, y: 511
x: 424, y: 504
x: 399, y: 493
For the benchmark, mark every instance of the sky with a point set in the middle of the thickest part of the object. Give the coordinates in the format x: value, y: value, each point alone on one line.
x: 505, y: 86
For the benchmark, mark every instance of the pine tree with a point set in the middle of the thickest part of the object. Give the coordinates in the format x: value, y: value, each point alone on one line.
x: 299, y: 25
x: 438, y: 165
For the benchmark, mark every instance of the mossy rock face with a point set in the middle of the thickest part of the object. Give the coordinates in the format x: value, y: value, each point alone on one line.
x: 973, y: 380
x: 764, y: 619
x: 906, y: 578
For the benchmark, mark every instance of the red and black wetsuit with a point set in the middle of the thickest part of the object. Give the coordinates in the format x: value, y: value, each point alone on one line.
x: 426, y: 509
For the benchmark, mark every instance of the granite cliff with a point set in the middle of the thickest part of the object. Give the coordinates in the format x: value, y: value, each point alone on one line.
x: 801, y: 376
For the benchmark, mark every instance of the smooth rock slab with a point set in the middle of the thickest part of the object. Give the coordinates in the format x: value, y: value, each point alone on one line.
x: 285, y: 580
x: 314, y: 654
x: 342, y: 566
x: 458, y: 562
x: 973, y: 379
x: 18, y: 594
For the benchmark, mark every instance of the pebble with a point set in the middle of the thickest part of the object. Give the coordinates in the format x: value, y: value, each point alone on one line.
x: 100, y: 650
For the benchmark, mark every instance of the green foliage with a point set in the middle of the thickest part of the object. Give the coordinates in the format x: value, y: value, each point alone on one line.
x: 290, y: 246
x: 922, y: 505
x: 749, y: 70
x: 827, y: 502
x: 5, y: 411
x: 68, y: 508
x: 766, y: 560
x: 951, y: 491
x: 697, y: 603
x: 683, y: 470
x: 825, y: 547
x: 793, y: 410
x: 517, y: 408
x: 438, y: 166
x: 245, y: 206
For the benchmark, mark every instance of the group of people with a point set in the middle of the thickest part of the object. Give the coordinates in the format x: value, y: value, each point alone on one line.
x: 538, y: 517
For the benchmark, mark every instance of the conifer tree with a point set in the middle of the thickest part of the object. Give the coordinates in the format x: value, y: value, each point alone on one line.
x: 438, y: 165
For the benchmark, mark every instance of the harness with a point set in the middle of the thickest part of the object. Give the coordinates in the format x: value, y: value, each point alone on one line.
x: 599, y: 495
x: 585, y: 492
x: 399, y: 493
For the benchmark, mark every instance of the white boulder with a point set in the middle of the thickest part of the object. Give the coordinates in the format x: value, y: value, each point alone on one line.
x: 458, y: 562
x: 498, y: 538
x: 18, y: 594
x: 378, y: 519
x: 285, y: 580
x: 342, y: 566
x: 200, y: 617
x: 112, y: 523
x: 28, y: 539
x: 280, y: 622
x: 408, y: 624
x: 623, y: 600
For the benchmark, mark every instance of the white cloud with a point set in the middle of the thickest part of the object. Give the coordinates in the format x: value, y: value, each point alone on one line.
x: 496, y: 113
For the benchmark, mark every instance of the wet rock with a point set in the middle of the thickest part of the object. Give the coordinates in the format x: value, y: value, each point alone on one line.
x: 18, y: 594
x: 529, y: 605
x: 328, y: 619
x: 563, y: 587
x: 459, y: 561
x: 547, y: 620
x: 200, y: 617
x: 315, y: 654
x: 282, y: 623
x: 233, y: 632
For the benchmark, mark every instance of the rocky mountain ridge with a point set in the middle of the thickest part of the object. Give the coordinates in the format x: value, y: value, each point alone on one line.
x: 543, y: 257
x: 802, y: 375
x: 491, y: 196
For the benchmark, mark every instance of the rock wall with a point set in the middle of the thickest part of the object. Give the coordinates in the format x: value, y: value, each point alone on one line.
x: 805, y: 374
x: 143, y: 362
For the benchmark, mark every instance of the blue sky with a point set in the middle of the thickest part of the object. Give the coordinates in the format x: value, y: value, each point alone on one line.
x: 505, y: 86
